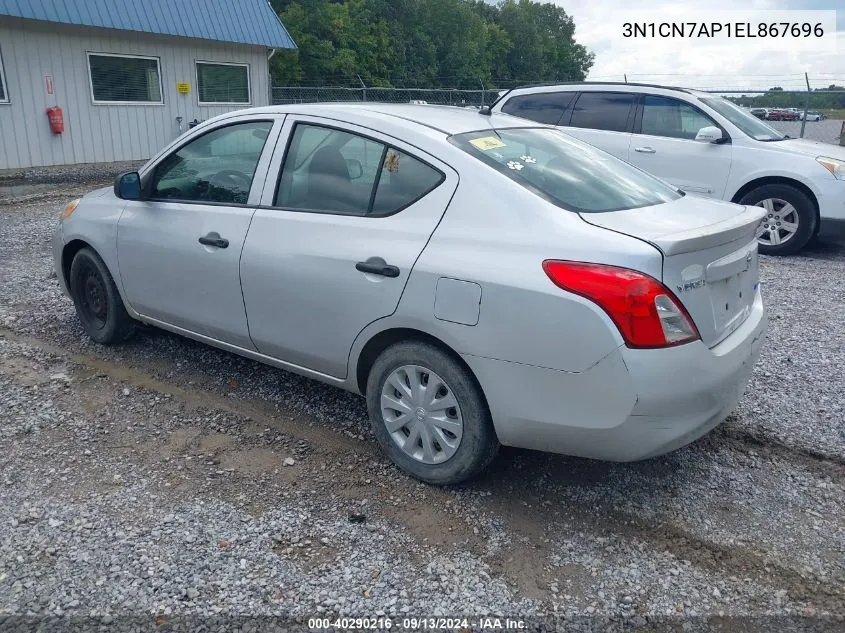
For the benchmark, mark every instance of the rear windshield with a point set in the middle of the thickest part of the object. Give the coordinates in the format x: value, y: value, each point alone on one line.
x: 565, y: 171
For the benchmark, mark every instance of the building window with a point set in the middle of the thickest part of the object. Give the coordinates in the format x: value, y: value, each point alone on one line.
x: 124, y: 78
x: 219, y: 83
x: 4, y: 94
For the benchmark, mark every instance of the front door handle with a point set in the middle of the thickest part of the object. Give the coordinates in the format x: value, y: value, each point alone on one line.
x: 645, y: 150
x: 377, y: 266
x: 214, y: 239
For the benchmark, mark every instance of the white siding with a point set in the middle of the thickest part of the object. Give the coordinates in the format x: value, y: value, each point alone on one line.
x: 102, y: 133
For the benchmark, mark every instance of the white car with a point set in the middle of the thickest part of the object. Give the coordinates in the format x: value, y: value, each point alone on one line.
x: 701, y: 144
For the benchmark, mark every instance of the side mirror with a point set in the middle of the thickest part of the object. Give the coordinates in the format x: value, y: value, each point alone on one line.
x: 128, y: 186
x: 354, y: 167
x: 709, y: 134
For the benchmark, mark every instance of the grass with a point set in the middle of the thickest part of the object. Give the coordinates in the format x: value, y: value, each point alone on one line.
x: 833, y: 114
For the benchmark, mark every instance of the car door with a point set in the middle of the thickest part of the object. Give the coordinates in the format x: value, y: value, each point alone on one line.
x: 333, y: 244
x: 603, y: 119
x: 664, y: 144
x: 179, y: 246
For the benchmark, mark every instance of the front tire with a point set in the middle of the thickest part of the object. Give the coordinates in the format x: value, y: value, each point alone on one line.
x: 790, y: 220
x: 98, y: 304
x: 429, y: 415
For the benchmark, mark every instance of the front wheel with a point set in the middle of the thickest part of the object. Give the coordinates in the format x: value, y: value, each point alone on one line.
x: 98, y: 304
x: 790, y: 220
x: 429, y: 415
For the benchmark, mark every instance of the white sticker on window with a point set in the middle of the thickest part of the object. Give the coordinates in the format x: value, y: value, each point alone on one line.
x: 515, y: 165
x: 528, y: 160
x: 487, y: 142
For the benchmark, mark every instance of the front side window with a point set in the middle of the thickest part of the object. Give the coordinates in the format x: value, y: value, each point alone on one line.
x: 4, y: 94
x: 747, y: 123
x: 602, y: 111
x: 222, y: 83
x: 663, y: 116
x: 124, y: 78
x: 567, y: 172
x: 545, y: 107
x: 333, y: 171
x: 217, y: 167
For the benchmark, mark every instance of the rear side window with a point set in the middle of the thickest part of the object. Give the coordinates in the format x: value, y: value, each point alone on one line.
x: 403, y: 180
x: 663, y: 116
x: 328, y: 170
x: 548, y: 107
x: 602, y: 111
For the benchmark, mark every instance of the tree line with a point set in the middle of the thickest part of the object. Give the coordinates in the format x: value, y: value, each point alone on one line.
x: 820, y: 99
x: 427, y: 43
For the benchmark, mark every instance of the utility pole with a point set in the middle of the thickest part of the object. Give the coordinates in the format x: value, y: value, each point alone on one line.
x: 363, y: 86
x: 806, y: 106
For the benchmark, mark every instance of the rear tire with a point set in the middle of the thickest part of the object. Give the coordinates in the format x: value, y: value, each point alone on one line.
x: 440, y: 431
x: 98, y: 303
x: 790, y: 222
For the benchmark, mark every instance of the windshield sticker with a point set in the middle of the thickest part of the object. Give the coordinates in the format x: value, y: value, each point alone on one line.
x: 487, y: 142
x: 528, y: 160
x: 515, y: 165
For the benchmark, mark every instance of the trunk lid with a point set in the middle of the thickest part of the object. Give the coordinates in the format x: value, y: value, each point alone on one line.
x: 709, y: 252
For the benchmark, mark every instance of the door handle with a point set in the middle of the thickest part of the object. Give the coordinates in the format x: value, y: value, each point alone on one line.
x: 377, y: 266
x: 214, y: 239
x: 645, y: 150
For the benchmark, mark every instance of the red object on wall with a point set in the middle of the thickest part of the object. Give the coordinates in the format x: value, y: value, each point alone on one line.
x: 57, y: 119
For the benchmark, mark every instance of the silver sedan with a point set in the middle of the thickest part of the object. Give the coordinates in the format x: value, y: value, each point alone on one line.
x: 479, y: 279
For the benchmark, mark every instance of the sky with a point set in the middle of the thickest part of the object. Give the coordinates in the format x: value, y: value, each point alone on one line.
x: 719, y: 64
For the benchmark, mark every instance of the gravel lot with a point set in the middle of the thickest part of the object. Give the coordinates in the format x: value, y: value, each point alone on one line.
x: 164, y: 479
x: 826, y: 131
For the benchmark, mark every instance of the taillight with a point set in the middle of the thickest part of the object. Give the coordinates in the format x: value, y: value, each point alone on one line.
x: 645, y: 311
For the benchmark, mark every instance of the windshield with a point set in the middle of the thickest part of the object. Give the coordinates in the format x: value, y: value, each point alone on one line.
x: 748, y: 123
x: 565, y: 171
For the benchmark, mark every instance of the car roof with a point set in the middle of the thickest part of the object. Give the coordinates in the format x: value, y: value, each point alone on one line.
x: 609, y: 86
x: 444, y: 119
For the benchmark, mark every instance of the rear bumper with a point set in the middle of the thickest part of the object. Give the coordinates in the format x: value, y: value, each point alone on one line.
x: 632, y: 405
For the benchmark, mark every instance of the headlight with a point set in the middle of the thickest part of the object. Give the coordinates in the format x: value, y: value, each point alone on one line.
x: 70, y: 208
x: 834, y: 166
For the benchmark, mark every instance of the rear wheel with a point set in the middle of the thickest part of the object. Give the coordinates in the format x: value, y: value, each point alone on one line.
x: 98, y: 304
x: 790, y: 220
x: 428, y: 414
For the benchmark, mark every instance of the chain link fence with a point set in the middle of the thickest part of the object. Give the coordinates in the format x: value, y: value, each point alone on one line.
x: 440, y: 96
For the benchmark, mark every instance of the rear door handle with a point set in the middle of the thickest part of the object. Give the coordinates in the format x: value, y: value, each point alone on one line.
x: 645, y: 150
x: 377, y: 266
x: 214, y: 239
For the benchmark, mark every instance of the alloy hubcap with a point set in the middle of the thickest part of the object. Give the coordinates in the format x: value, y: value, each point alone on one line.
x: 421, y: 414
x: 780, y: 224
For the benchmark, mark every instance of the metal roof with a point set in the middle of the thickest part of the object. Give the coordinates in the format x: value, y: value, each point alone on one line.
x: 244, y: 22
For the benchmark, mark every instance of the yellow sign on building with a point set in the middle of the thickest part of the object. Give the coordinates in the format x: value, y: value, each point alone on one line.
x: 183, y: 88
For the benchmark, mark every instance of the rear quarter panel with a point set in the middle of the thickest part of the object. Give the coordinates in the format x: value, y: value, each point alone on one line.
x: 497, y: 234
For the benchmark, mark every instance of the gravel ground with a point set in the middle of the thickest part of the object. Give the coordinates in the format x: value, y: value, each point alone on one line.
x: 826, y: 131
x: 163, y: 479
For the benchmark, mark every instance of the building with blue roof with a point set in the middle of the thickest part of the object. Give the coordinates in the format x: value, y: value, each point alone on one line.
x: 128, y: 75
